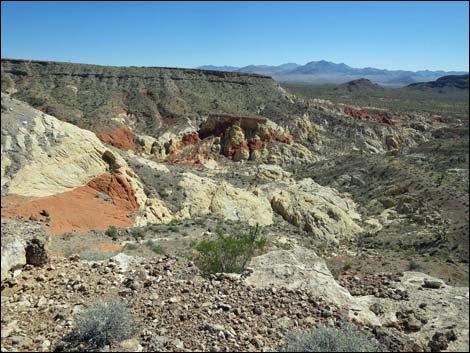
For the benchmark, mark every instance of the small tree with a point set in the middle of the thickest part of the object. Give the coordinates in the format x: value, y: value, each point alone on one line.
x: 228, y: 253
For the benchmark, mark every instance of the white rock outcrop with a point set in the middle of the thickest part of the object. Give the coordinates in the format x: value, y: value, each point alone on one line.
x: 205, y: 195
x: 301, y: 268
x: 13, y: 254
x: 322, y: 211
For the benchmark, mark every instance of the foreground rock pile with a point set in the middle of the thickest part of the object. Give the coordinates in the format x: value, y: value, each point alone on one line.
x: 254, y: 311
x: 380, y: 285
x: 173, y: 306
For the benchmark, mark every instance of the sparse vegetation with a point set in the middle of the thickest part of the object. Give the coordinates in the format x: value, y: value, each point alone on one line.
x: 347, y: 265
x: 112, y: 232
x: 173, y: 228
x: 104, y: 323
x: 200, y: 221
x: 96, y: 255
x: 326, y: 339
x: 414, y: 265
x: 138, y: 233
x: 452, y: 102
x: 88, y: 254
x: 132, y: 246
x: 155, y: 247
x: 229, y: 253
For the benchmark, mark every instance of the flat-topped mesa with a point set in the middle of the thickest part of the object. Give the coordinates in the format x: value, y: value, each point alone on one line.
x: 105, y: 71
x: 148, y: 100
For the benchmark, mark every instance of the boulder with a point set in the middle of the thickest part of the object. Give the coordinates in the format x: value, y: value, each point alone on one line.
x: 301, y: 268
x: 36, y: 253
x: 13, y: 254
x: 433, y: 283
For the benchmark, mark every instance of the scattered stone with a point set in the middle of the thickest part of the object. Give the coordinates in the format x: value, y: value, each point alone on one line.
x: 36, y: 254
x: 433, y: 283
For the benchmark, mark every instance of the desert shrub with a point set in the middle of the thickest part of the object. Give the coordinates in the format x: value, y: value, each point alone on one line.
x: 414, y: 265
x: 326, y: 339
x: 228, y: 253
x: 104, y: 323
x: 132, y: 246
x: 173, y: 228
x: 155, y: 247
x: 200, y: 221
x: 347, y: 265
x: 96, y: 255
x: 138, y: 233
x: 112, y: 232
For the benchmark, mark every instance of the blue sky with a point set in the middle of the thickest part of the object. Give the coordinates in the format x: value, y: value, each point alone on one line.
x: 400, y: 35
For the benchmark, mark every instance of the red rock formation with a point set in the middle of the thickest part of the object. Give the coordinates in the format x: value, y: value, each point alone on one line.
x: 232, y: 132
x: 190, y: 139
x: 255, y: 144
x: 192, y: 155
x: 270, y: 136
x: 378, y: 115
x: 79, y: 209
x: 118, y: 188
x: 122, y: 138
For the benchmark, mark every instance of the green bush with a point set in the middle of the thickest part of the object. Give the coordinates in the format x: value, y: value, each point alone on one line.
x: 326, y: 339
x: 173, y: 228
x: 132, y: 246
x: 228, y: 253
x: 112, y: 232
x: 155, y: 247
x: 200, y: 221
x: 414, y: 265
x: 104, y: 323
x: 138, y: 233
x: 347, y: 265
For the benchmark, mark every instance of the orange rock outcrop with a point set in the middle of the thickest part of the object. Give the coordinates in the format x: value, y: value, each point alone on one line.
x: 79, y: 209
x: 121, y: 138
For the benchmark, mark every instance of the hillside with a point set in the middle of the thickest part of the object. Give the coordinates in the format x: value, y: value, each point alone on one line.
x: 163, y: 105
x: 358, y: 85
x: 422, y: 98
x: 147, y: 99
x: 224, y: 207
x: 460, y: 82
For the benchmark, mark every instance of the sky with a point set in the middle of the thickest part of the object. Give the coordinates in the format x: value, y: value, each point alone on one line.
x: 386, y: 35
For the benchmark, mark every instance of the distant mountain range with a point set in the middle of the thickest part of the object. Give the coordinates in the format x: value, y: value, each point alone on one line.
x: 328, y: 72
x: 460, y: 82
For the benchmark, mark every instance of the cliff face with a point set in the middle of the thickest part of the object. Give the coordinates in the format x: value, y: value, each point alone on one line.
x: 147, y: 99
